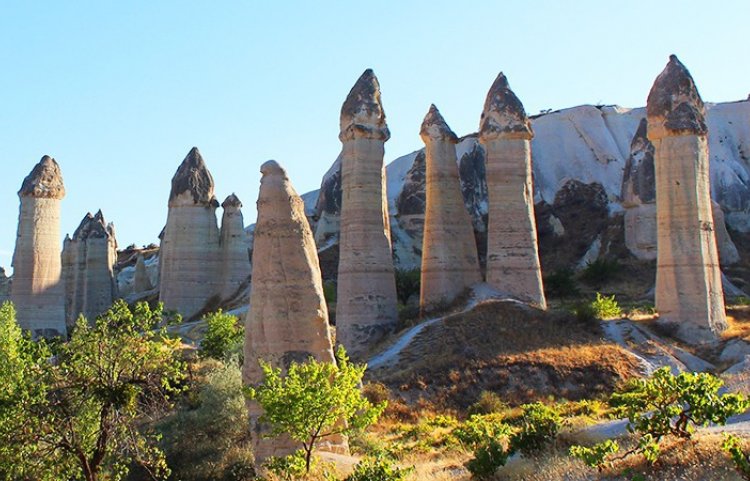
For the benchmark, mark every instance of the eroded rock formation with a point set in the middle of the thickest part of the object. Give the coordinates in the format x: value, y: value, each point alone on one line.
x: 4, y: 286
x: 288, y: 317
x: 689, y: 292
x: 88, y: 269
x: 235, y: 259
x: 37, y: 289
x: 512, y: 248
x: 141, y: 279
x: 449, y: 253
x: 367, y: 304
x: 190, y: 259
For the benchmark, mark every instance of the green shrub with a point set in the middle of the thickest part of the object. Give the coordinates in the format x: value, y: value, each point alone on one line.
x: 489, y: 402
x: 378, y: 469
x: 561, y: 283
x: 669, y: 405
x: 600, y: 271
x: 539, y: 426
x: 479, y: 428
x: 224, y: 336
x: 733, y: 446
x: 606, y: 307
x: 408, y: 283
x: 597, y: 456
x: 290, y: 467
x: 488, y: 457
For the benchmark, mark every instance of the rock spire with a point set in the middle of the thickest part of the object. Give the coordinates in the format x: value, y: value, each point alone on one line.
x: 367, y: 303
x: 235, y: 257
x: 449, y: 253
x: 689, y: 294
x: 288, y: 318
x: 513, y: 265
x: 37, y: 289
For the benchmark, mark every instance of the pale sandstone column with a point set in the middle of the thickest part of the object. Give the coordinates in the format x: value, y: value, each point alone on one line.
x: 37, y: 289
x: 512, y: 249
x: 366, y: 308
x: 288, y: 317
x: 189, y: 257
x: 88, y: 269
x: 235, y: 259
x: 141, y: 280
x: 689, y: 293
x: 450, y: 264
x: 639, y: 196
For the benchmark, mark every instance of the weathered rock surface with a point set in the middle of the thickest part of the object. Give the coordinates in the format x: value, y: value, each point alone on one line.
x: 367, y: 306
x: 189, y: 256
x: 4, y: 286
x: 89, y: 258
x: 235, y: 257
x: 689, y: 293
x: 288, y: 318
x: 141, y: 279
x: 513, y: 263
x: 450, y: 264
x: 37, y: 290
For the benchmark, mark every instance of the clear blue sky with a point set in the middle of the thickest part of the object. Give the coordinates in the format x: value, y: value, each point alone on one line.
x: 118, y: 92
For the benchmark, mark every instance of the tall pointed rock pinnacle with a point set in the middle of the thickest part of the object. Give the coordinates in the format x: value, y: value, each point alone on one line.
x: 37, y: 289
x: 235, y: 256
x: 193, y: 176
x: 450, y: 264
x: 513, y: 265
x: 689, y: 293
x: 503, y: 114
x: 189, y: 258
x: 362, y: 113
x: 288, y: 318
x: 367, y: 304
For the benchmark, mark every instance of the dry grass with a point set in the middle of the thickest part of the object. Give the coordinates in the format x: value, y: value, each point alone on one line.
x: 738, y: 318
x: 521, y: 353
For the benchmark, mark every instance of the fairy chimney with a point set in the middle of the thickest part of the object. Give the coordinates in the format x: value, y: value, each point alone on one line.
x: 141, y: 279
x: 689, y: 294
x: 288, y: 318
x: 189, y: 255
x: 235, y: 258
x: 512, y: 248
x: 89, y: 258
x: 367, y: 305
x: 37, y: 289
x: 449, y: 252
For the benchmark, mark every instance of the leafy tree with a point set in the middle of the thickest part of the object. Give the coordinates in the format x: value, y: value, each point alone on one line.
x: 667, y: 405
x: 539, y: 427
x: 224, y: 336
x: 315, y: 400
x: 103, y: 382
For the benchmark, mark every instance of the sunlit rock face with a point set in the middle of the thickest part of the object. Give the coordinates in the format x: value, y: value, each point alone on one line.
x: 235, y: 257
x: 288, y: 318
x: 37, y: 289
x: 190, y: 260
x: 89, y: 257
x: 450, y: 264
x: 513, y: 265
x: 367, y: 305
x: 689, y: 292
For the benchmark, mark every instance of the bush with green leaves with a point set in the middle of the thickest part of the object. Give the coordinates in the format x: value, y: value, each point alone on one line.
x: 224, y: 336
x: 669, y: 405
x: 378, y: 469
x: 597, y: 456
x: 600, y: 271
x: 207, y: 438
x: 606, y: 307
x: 82, y: 414
x: 290, y: 467
x: 732, y: 445
x: 561, y: 283
x: 539, y: 426
x: 408, y: 283
x: 315, y: 400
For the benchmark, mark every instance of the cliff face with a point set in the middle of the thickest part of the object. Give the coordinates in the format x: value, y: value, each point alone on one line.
x: 580, y: 156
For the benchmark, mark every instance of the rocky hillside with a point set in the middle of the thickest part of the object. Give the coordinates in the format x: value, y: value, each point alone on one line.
x: 580, y: 156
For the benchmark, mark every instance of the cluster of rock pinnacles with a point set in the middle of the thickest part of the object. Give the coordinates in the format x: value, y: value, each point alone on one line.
x: 288, y: 316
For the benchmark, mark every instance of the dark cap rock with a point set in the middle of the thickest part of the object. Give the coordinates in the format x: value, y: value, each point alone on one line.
x: 434, y: 127
x: 674, y: 106
x: 232, y: 201
x: 193, y: 176
x: 362, y: 113
x: 44, y: 181
x: 503, y: 115
x: 92, y: 227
